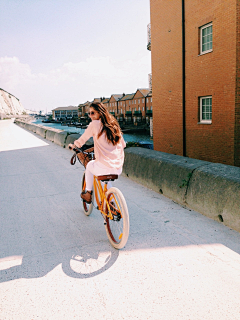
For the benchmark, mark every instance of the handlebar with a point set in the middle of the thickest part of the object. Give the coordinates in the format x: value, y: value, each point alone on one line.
x: 75, y: 149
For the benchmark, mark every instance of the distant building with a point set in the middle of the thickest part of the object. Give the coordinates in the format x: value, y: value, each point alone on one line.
x: 83, y: 109
x: 139, y: 105
x: 105, y: 102
x: 196, y: 78
x: 113, y: 103
x: 65, y: 113
x: 125, y: 107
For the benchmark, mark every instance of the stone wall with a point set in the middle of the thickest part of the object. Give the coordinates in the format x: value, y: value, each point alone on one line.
x: 212, y: 189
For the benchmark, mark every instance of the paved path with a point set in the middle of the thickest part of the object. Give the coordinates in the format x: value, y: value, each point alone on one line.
x: 56, y: 263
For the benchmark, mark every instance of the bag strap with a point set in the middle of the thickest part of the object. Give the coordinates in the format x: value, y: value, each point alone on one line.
x: 73, y: 159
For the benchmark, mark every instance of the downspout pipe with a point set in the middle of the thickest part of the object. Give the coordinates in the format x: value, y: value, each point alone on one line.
x: 183, y: 80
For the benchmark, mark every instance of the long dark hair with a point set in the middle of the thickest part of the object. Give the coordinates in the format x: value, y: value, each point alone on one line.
x: 109, y: 124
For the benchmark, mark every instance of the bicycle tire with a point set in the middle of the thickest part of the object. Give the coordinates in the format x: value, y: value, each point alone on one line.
x: 117, y: 229
x: 87, y: 208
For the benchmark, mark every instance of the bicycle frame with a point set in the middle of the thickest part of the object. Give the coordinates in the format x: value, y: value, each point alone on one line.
x: 100, y: 196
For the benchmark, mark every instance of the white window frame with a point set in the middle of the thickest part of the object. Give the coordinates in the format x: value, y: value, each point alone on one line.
x: 201, y: 30
x: 205, y: 121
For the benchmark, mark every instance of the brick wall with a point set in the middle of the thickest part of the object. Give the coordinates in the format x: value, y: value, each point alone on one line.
x: 166, y: 51
x: 212, y: 74
x: 237, y: 106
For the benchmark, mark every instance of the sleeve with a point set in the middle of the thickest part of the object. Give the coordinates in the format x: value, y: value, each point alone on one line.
x: 88, y: 133
x: 123, y: 142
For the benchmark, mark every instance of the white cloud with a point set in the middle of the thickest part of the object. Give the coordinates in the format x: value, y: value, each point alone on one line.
x: 12, y: 72
x: 72, y: 83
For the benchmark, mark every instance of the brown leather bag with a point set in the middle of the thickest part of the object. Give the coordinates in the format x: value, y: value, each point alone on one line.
x: 83, y: 157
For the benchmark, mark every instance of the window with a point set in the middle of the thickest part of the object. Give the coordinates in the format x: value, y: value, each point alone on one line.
x: 121, y: 111
x: 206, y: 38
x: 139, y: 109
x: 135, y: 101
x: 151, y: 99
x: 138, y: 101
x: 147, y: 99
x: 142, y: 108
x: 142, y: 100
x: 206, y: 109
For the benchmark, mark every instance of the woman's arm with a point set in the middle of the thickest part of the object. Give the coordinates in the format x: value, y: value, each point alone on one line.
x: 88, y: 133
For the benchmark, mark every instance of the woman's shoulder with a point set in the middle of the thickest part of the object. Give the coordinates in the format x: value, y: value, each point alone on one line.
x: 96, y: 122
x: 95, y: 125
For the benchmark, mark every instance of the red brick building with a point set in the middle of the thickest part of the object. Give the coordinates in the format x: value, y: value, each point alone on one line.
x: 139, y: 99
x: 195, y: 49
x: 113, y: 103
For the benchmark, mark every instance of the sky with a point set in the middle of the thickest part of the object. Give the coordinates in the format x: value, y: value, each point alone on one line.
x: 57, y: 53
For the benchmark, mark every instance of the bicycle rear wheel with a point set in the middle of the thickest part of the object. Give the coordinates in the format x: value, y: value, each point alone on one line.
x: 87, y: 208
x: 117, y: 228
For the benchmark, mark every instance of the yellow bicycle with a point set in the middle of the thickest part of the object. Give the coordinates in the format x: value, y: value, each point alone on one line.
x: 110, y: 202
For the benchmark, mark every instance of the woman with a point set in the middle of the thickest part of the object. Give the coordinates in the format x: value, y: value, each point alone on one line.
x: 108, y: 146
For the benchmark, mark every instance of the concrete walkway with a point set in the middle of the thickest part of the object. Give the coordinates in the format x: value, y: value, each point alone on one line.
x: 56, y: 263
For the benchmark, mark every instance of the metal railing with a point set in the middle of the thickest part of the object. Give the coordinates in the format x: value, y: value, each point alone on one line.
x: 149, y: 36
x: 150, y: 81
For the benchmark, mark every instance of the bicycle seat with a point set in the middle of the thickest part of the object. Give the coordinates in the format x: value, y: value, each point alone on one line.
x: 108, y: 177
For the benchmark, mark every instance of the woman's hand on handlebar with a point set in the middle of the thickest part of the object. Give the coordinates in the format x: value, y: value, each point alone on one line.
x: 71, y: 146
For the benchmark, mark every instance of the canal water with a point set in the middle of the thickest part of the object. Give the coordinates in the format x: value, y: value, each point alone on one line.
x: 128, y: 137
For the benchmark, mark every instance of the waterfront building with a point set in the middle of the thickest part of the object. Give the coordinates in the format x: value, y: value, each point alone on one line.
x: 124, y: 106
x: 105, y: 101
x: 83, y: 109
x: 139, y: 105
x: 65, y: 113
x: 113, y: 103
x: 195, y: 52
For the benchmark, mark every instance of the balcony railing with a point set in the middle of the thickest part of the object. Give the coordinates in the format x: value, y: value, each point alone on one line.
x: 137, y: 113
x: 150, y: 81
x: 149, y: 36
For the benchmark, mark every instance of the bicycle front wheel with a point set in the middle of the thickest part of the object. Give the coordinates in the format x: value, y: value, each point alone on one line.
x: 117, y: 227
x: 87, y: 208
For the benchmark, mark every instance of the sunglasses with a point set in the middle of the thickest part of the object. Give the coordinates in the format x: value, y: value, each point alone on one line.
x: 91, y: 113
